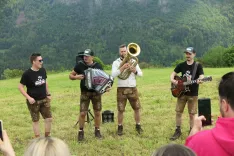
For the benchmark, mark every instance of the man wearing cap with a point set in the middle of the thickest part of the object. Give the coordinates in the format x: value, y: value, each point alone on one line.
x: 191, y: 98
x: 86, y: 94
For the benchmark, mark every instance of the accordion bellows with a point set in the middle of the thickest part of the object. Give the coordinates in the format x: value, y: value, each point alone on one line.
x: 97, y: 80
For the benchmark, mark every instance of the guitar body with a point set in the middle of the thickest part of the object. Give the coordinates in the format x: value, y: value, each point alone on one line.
x: 179, y: 89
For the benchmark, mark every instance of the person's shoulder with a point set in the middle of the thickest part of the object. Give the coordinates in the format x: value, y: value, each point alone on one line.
x: 42, y: 69
x: 97, y: 65
x: 181, y: 64
x: 199, y: 64
x: 117, y: 60
x: 27, y: 71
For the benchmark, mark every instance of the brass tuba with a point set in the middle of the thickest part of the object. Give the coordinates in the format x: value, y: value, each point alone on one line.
x: 133, y: 50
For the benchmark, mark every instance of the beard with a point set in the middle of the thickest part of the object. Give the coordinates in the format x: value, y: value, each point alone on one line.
x: 122, y: 56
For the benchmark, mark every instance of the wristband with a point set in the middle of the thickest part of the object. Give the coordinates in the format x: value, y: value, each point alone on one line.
x: 48, y: 94
x: 136, y: 73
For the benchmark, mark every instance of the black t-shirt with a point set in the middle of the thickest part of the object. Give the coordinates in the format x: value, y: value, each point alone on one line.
x: 80, y: 67
x: 35, y: 81
x: 187, y: 70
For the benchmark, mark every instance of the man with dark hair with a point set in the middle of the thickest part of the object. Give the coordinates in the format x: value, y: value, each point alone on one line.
x: 175, y: 150
x: 37, y: 96
x: 218, y: 141
x: 86, y: 94
x: 127, y: 90
x: 188, y: 70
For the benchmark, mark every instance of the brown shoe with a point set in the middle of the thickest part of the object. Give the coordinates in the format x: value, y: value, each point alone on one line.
x: 80, y: 135
x: 177, y: 134
x: 139, y: 129
x: 98, y: 134
x: 120, y: 130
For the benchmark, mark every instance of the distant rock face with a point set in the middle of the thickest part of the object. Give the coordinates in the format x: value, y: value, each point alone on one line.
x: 164, y: 6
x: 68, y: 1
x: 21, y: 18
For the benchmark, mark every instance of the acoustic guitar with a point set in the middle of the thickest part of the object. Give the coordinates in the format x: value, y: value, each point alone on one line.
x: 183, y: 85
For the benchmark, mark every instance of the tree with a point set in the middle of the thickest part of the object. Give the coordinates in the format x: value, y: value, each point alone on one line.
x: 229, y: 57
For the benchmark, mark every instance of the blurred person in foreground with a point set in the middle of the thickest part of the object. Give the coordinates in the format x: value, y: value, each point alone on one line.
x: 5, y: 145
x: 47, y: 146
x: 218, y: 141
x: 174, y: 150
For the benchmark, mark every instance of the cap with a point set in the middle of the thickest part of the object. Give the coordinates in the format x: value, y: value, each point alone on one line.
x: 88, y: 52
x: 190, y: 50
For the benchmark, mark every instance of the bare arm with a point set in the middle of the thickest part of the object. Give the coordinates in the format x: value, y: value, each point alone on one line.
x: 5, y: 145
x: 22, y: 91
x: 199, y: 79
x: 197, y: 126
x: 173, y: 74
x: 47, y: 88
x: 201, y: 76
x: 74, y: 76
x: 47, y: 91
x: 25, y: 94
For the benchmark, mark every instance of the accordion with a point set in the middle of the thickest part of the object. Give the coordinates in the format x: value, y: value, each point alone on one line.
x: 98, y: 80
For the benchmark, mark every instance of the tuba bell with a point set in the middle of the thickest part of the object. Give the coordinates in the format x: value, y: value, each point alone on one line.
x: 133, y: 50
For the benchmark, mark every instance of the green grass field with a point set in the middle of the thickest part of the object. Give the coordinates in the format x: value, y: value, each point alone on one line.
x: 157, y: 114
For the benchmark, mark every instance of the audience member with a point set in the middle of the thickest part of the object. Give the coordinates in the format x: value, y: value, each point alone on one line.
x: 174, y: 150
x: 47, y: 146
x: 5, y: 145
x: 218, y: 141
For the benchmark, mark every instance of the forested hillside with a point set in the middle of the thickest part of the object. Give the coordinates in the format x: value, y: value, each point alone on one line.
x: 59, y: 29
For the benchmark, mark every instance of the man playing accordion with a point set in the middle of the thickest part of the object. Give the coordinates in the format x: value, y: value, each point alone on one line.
x: 78, y: 73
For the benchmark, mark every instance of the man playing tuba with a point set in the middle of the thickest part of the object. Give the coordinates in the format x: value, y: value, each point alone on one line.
x: 126, y: 89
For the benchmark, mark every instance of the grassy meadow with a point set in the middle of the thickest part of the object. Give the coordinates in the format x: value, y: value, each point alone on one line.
x: 157, y: 114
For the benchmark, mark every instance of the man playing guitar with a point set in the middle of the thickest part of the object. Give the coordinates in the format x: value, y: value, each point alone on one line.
x: 192, y: 71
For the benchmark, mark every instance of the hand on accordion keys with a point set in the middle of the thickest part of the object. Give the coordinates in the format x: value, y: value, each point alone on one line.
x: 98, y: 80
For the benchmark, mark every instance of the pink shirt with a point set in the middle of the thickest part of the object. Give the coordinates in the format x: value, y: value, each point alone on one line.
x: 218, y: 141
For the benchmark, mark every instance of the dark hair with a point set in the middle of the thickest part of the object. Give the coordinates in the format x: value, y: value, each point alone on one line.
x: 226, y: 90
x: 122, y: 45
x: 34, y: 56
x: 175, y: 150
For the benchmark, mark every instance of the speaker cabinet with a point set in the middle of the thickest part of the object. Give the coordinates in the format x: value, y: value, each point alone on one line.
x: 107, y: 116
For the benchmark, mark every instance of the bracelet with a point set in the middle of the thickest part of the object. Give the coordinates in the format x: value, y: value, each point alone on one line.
x: 48, y: 94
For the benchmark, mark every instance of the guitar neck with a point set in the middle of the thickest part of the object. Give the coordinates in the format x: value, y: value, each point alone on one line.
x: 195, y: 81
x: 190, y: 82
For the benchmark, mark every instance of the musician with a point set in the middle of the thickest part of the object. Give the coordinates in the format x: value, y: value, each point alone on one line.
x: 187, y: 69
x: 37, y: 96
x: 86, y: 94
x: 127, y: 90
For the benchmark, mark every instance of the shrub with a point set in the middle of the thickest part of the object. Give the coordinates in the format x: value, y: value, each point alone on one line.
x: 145, y: 65
x: 98, y: 60
x: 12, y: 73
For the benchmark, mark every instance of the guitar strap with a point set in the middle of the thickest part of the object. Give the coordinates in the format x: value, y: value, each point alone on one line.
x: 194, y: 70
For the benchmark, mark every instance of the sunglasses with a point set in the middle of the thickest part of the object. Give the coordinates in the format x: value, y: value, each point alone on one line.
x: 40, y: 60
